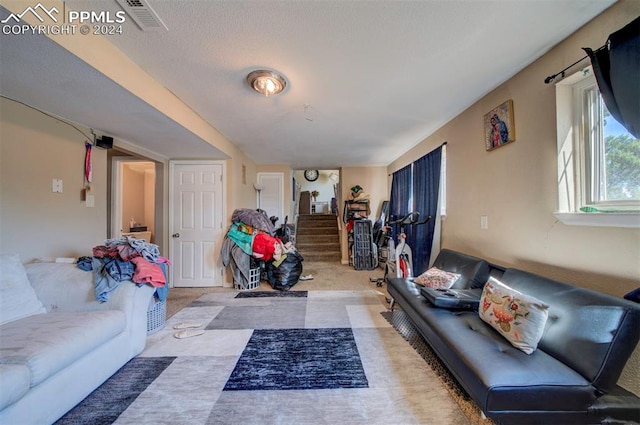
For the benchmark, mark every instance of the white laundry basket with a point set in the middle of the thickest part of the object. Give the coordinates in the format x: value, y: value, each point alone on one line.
x: 254, y: 281
x: 156, y: 315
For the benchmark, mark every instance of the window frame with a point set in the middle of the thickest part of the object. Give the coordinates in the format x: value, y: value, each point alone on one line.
x: 577, y: 164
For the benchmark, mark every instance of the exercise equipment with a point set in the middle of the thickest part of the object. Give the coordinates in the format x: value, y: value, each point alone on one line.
x: 400, y: 257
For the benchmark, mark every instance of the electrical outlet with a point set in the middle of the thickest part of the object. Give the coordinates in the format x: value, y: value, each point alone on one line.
x: 484, y: 222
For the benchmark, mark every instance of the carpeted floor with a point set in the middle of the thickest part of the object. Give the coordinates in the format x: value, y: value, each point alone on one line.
x: 320, y: 357
x: 327, y: 276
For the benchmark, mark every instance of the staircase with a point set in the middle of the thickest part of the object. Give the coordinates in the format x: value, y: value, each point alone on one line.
x: 317, y: 237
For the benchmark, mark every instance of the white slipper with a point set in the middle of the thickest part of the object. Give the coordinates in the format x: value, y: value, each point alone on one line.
x: 188, y: 333
x: 307, y: 277
x: 186, y: 325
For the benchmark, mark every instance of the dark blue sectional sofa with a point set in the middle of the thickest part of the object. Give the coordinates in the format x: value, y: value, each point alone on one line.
x: 572, y: 376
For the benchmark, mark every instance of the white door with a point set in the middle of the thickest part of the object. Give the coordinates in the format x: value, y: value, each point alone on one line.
x: 196, y: 223
x: 271, y: 198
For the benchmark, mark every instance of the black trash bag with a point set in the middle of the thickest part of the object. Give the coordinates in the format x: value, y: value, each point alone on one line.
x: 284, y: 276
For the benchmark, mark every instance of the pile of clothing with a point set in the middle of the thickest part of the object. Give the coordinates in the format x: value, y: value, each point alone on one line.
x: 126, y: 259
x: 251, y: 237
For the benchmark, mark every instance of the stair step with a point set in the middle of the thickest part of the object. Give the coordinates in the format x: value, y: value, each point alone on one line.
x: 310, y: 239
x: 318, y: 231
x: 317, y: 247
x: 322, y: 257
x: 317, y: 237
x: 318, y: 225
x: 319, y: 234
x: 317, y: 218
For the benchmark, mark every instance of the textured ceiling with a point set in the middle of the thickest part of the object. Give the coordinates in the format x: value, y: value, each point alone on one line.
x: 367, y: 80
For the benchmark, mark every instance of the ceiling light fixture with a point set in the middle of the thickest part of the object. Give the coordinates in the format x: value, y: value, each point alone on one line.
x: 267, y: 83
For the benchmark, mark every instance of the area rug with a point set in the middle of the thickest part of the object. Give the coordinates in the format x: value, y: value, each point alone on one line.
x: 324, y: 357
x: 106, y: 403
x: 272, y: 294
x: 407, y: 329
x: 298, y: 359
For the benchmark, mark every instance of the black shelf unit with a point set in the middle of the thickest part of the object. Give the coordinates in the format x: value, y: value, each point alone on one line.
x: 355, y: 209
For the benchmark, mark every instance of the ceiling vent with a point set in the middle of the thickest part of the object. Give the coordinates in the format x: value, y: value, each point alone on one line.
x: 143, y: 14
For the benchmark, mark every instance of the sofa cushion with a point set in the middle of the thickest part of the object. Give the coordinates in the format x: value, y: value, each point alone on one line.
x: 47, y: 343
x: 474, y: 272
x: 592, y: 332
x: 496, y: 374
x: 14, y: 383
x: 500, y: 376
x: 520, y: 318
x: 437, y: 279
x: 17, y: 297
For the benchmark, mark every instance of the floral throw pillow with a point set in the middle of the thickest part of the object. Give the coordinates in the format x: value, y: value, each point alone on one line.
x: 437, y: 279
x: 520, y: 318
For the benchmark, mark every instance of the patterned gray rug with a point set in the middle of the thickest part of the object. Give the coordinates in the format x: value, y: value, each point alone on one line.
x: 105, y: 404
x: 325, y: 358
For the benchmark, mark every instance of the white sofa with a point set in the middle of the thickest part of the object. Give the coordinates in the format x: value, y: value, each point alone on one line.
x: 55, y: 350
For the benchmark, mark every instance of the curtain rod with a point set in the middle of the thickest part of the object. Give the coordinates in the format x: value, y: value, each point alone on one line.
x: 550, y: 78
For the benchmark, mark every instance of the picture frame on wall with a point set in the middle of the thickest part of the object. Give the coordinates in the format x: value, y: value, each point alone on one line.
x: 499, y: 126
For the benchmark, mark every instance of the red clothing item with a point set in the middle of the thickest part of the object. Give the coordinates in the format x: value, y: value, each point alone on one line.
x: 147, y: 272
x: 264, y: 245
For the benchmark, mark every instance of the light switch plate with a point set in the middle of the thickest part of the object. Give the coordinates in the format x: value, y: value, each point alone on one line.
x: 484, y: 222
x: 56, y: 186
x: 91, y: 201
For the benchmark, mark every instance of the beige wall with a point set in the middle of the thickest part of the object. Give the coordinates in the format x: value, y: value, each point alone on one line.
x: 132, y: 197
x: 374, y: 182
x: 34, y: 222
x: 515, y: 185
x: 138, y: 194
x: 241, y: 193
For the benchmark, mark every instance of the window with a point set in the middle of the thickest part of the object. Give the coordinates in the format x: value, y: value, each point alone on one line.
x: 442, y: 200
x: 598, y: 159
x: 613, y: 155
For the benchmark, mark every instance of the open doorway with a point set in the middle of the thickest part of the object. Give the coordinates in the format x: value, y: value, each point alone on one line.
x: 135, y: 197
x: 319, y: 192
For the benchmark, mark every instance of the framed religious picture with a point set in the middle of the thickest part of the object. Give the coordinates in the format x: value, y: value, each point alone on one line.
x: 499, y: 127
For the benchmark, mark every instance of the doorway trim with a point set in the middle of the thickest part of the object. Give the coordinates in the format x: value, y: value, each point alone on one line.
x: 161, y: 237
x: 117, y: 162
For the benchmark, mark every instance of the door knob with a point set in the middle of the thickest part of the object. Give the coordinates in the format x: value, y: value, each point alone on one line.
x: 176, y: 235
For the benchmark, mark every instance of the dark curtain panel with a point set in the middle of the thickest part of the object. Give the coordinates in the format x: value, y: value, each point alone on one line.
x: 400, y: 193
x: 617, y: 71
x: 426, y: 191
